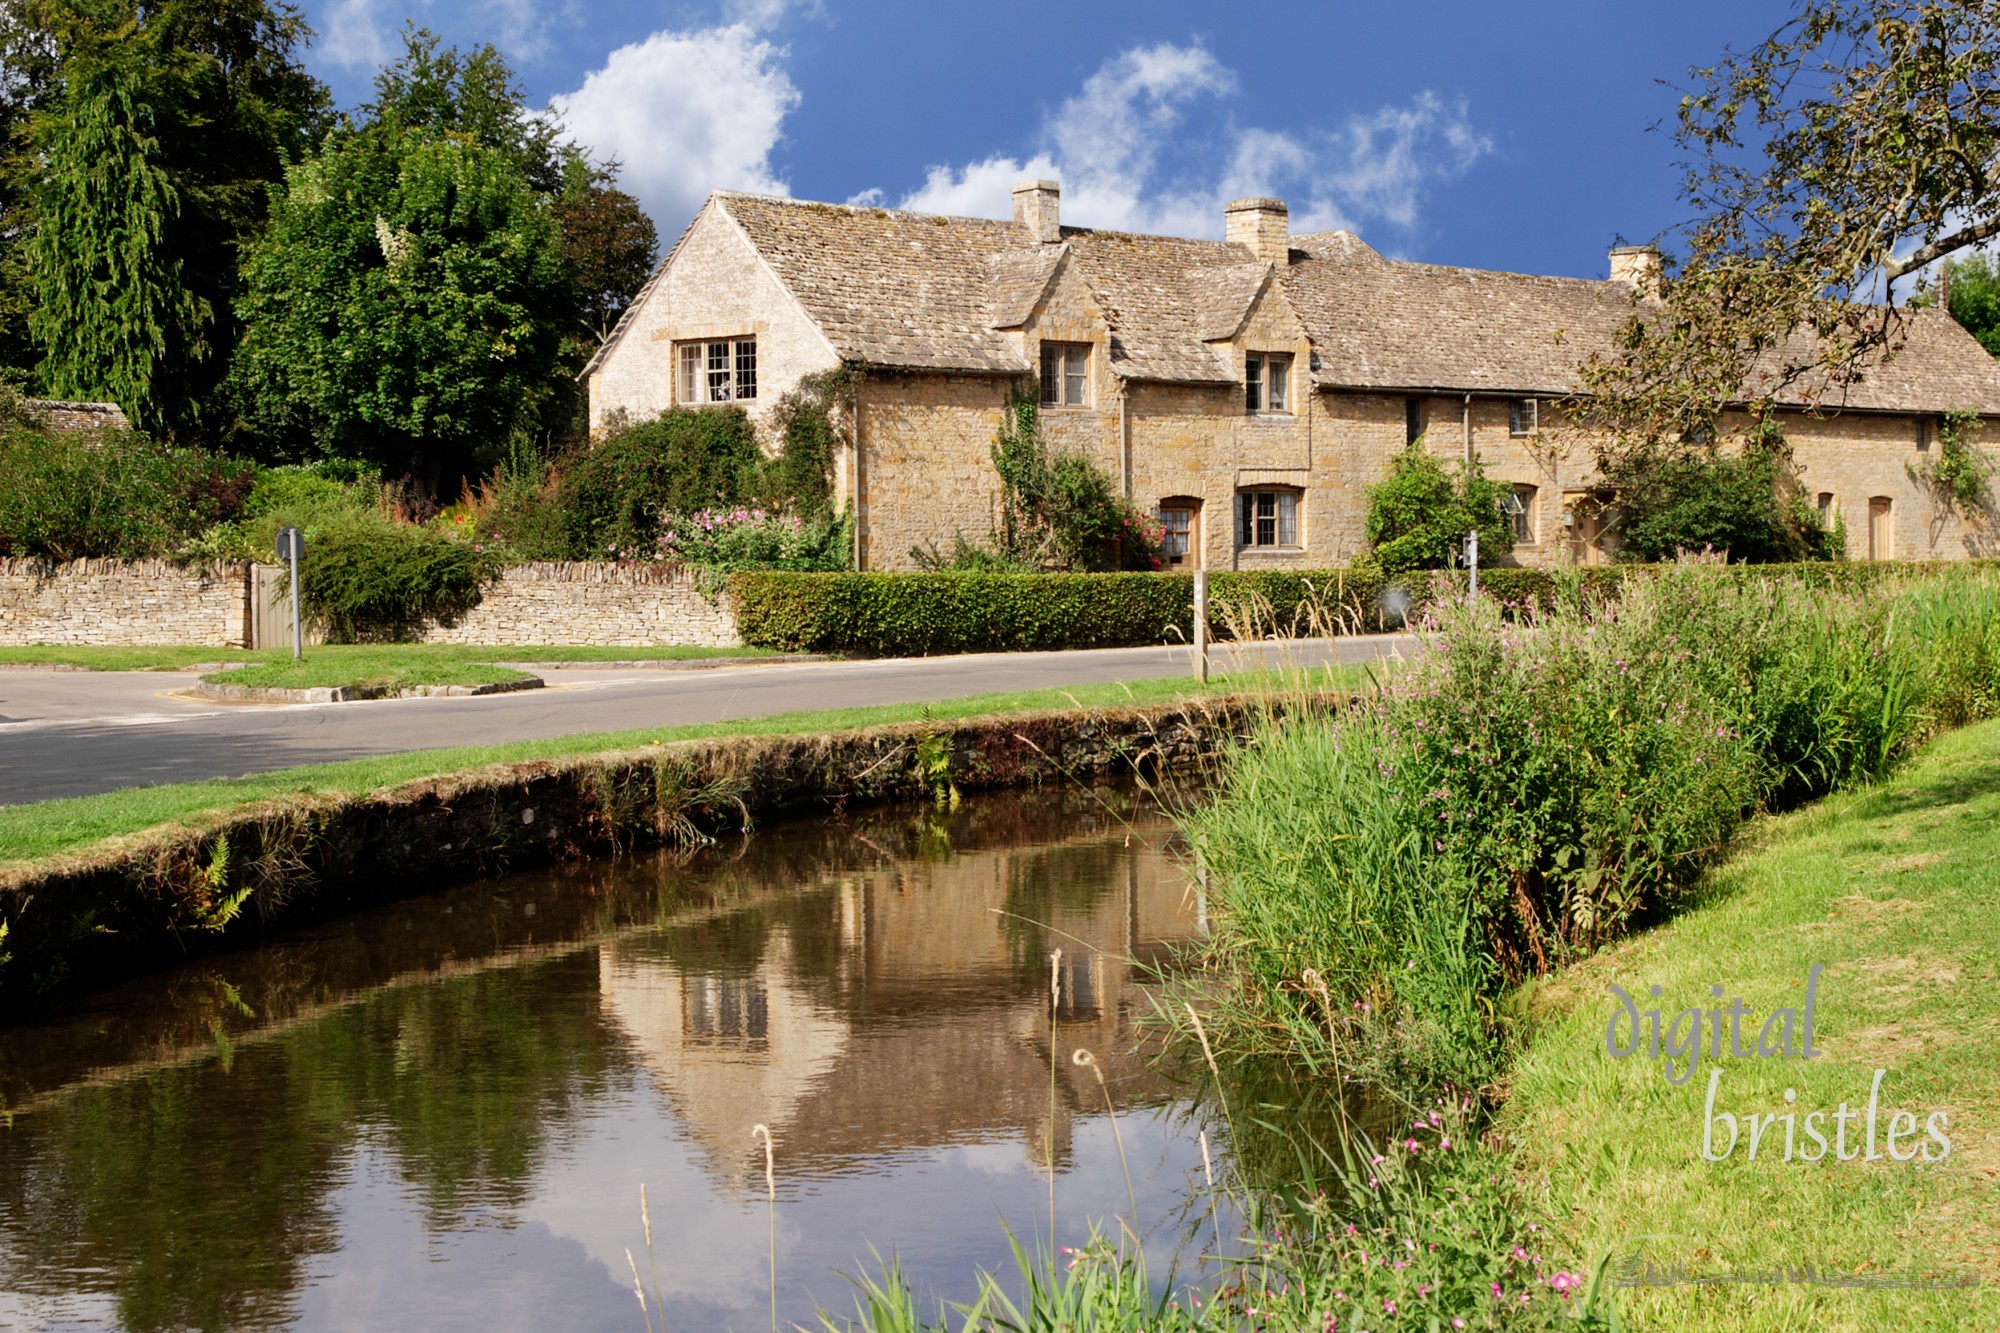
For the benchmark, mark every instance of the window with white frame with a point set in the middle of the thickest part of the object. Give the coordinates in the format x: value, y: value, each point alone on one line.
x: 1179, y: 529
x: 1065, y: 374
x: 1520, y: 507
x: 1523, y: 415
x: 1267, y: 382
x: 717, y: 370
x: 1267, y: 518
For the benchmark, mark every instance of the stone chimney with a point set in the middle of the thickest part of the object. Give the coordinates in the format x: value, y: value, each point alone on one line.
x: 1264, y: 226
x: 1037, y: 206
x: 1638, y: 267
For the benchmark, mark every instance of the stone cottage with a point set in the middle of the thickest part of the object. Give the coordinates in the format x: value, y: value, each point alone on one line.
x: 1249, y: 391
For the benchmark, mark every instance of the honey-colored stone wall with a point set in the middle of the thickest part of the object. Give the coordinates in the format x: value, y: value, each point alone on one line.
x: 123, y: 602
x: 926, y: 442
x: 600, y: 605
x: 716, y: 287
x: 926, y: 476
x: 927, y: 467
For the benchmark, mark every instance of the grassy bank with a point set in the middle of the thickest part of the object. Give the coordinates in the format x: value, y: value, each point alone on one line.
x: 1521, y: 795
x: 79, y: 826
x: 1518, y: 801
x: 1891, y: 891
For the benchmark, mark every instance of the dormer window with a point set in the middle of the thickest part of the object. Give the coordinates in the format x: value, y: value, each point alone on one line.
x: 1267, y: 382
x: 1065, y: 374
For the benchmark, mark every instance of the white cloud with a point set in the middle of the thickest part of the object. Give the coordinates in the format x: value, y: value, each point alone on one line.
x: 1393, y: 155
x: 357, y: 34
x: 686, y: 112
x: 1113, y: 146
x: 354, y: 35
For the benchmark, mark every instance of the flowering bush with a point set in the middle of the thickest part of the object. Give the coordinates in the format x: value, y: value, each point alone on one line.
x: 749, y: 538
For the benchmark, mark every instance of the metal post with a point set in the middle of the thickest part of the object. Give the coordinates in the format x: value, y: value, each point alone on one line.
x: 291, y: 546
x: 1201, y: 625
x: 1472, y: 559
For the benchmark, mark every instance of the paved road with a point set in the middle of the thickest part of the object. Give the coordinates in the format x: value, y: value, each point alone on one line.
x: 74, y: 733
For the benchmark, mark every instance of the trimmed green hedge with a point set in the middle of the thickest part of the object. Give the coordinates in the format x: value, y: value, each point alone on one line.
x: 919, y: 615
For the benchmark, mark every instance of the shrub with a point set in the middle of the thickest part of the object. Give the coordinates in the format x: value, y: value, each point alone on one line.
x: 67, y: 495
x: 368, y: 579
x: 518, y: 512
x: 611, y: 495
x: 1419, y: 516
x: 308, y: 497
x: 729, y: 540
x: 1748, y: 505
x: 1004, y: 610
x: 1058, y: 511
x: 799, y: 479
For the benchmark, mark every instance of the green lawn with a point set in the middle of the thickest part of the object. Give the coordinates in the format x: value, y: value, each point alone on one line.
x: 342, y: 664
x: 44, y: 829
x: 1895, y: 892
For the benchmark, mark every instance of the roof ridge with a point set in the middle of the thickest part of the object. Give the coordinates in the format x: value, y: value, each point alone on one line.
x: 1504, y: 273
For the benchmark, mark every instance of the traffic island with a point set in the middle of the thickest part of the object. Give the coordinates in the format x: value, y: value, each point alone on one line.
x: 341, y: 694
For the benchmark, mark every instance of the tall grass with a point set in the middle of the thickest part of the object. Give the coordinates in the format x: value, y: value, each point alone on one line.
x: 1534, y: 783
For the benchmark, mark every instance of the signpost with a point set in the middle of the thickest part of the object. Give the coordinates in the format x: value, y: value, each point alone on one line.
x: 1472, y: 559
x: 1201, y: 625
x: 292, y: 549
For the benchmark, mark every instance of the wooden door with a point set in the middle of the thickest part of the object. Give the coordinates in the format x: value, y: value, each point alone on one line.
x: 1881, y: 529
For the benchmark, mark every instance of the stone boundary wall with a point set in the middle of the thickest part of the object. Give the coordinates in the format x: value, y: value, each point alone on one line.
x: 123, y: 602
x: 153, y: 900
x: 593, y: 604
x: 155, y: 602
x: 58, y: 414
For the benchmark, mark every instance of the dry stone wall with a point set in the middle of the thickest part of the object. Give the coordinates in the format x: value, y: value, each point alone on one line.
x: 123, y: 602
x: 155, y: 602
x: 596, y: 605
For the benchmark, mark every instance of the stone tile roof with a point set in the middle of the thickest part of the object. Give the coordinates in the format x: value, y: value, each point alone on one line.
x: 926, y: 292
x: 1016, y: 281
x: 908, y: 290
x: 1222, y: 297
x: 1377, y: 323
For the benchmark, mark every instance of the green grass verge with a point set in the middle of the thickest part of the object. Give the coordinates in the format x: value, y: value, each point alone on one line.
x: 393, y: 668
x: 44, y: 829
x: 416, y: 657
x: 1891, y: 890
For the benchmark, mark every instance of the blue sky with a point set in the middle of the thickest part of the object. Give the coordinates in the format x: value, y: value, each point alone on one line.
x: 1500, y: 135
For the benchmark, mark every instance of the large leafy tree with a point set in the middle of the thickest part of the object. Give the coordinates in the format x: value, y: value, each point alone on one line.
x: 609, y: 243
x: 397, y: 308
x: 1828, y: 166
x: 143, y: 141
x: 1972, y: 290
x: 437, y: 90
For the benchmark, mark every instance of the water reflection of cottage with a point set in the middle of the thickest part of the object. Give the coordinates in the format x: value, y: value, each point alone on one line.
x: 905, y: 1007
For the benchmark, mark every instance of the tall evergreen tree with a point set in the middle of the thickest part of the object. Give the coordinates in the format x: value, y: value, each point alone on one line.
x: 112, y: 315
x: 153, y: 132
